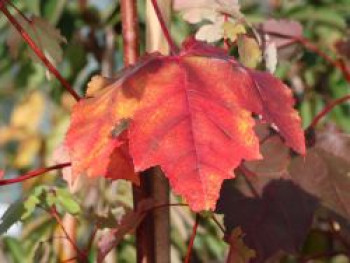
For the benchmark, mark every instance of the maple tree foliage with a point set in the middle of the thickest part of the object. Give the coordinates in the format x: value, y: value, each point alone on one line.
x: 287, y: 192
x: 189, y: 113
x: 282, y: 216
x: 203, y: 117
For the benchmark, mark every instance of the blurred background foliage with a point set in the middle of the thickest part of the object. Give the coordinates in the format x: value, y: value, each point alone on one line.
x: 34, y: 115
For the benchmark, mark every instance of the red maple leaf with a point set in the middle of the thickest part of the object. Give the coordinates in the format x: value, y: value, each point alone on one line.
x: 190, y: 113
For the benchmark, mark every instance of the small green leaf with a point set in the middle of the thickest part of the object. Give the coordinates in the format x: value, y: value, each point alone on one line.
x: 233, y: 30
x: 39, y: 190
x: 66, y: 199
x: 50, y: 199
x: 30, y: 205
x: 16, y: 249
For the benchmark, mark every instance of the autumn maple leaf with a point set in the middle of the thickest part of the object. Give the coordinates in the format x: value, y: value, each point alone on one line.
x: 189, y: 113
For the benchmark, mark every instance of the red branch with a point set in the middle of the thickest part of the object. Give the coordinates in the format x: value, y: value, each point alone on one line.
x: 193, y: 236
x: 327, y: 109
x: 33, y: 174
x: 37, y: 51
x: 165, y: 30
x: 130, y: 31
x: 54, y: 213
x: 313, y: 48
x: 336, y: 63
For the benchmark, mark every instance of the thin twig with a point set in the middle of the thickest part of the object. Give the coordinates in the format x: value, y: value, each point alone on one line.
x: 327, y: 109
x: 166, y: 205
x: 216, y: 221
x: 33, y: 174
x: 247, y: 173
x: 91, y: 240
x: 80, y: 253
x: 313, y: 48
x: 29, y: 21
x: 193, y: 236
x: 38, y: 52
x: 171, y: 43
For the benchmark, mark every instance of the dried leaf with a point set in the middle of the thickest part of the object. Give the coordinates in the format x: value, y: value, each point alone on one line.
x: 290, y: 28
x: 211, y: 32
x: 325, y: 176
x: 239, y: 252
x: 197, y: 10
x: 128, y: 223
x: 211, y: 11
x: 276, y: 159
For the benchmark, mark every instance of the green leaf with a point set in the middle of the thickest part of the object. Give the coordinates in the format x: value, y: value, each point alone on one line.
x: 11, y: 216
x: 53, y: 9
x: 16, y: 250
x: 39, y: 190
x: 44, y: 35
x: 30, y: 205
x: 50, y: 199
x: 66, y: 199
x: 320, y: 15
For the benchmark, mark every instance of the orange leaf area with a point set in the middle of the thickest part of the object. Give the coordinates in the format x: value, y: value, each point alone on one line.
x: 189, y: 113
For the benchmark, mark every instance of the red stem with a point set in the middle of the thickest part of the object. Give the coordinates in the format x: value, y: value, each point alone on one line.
x: 226, y: 40
x: 165, y: 205
x: 130, y: 31
x: 19, y: 12
x: 33, y: 174
x: 313, y: 48
x: 171, y: 43
x: 336, y: 63
x: 193, y: 236
x: 327, y: 109
x: 54, y: 213
x: 38, y: 52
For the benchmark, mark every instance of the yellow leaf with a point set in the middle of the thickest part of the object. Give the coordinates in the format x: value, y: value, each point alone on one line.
x: 232, y: 30
x: 249, y: 51
x: 27, y: 151
x: 28, y: 114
